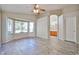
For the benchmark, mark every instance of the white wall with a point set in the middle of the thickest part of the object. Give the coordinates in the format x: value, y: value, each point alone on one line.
x: 77, y: 28
x: 5, y: 37
x: 0, y: 28
x: 42, y: 27
x: 61, y: 27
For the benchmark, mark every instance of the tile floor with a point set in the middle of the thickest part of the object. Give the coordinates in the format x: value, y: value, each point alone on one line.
x: 37, y: 46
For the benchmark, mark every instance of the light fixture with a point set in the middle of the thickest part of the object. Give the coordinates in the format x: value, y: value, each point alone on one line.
x: 37, y: 6
x: 37, y: 9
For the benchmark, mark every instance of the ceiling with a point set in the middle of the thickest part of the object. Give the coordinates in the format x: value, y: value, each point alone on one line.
x: 27, y: 8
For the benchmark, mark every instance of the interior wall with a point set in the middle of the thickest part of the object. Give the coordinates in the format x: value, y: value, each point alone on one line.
x: 77, y: 28
x: 5, y: 37
x: 42, y: 27
x: 61, y: 27
x: 0, y: 28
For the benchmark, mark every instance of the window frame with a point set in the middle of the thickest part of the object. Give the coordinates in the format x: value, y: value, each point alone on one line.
x: 15, y: 27
x: 33, y: 26
x: 28, y: 25
x: 21, y: 26
x: 8, y: 24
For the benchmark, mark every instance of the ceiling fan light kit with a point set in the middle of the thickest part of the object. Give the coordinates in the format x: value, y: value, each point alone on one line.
x: 37, y: 10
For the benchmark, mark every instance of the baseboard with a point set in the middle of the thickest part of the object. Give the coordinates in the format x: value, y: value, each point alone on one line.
x: 41, y: 38
x: 70, y: 41
x: 17, y: 39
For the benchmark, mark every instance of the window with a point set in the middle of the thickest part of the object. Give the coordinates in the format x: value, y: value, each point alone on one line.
x: 10, y: 26
x: 53, y: 23
x: 21, y: 26
x: 31, y: 26
x: 17, y: 26
x: 24, y: 26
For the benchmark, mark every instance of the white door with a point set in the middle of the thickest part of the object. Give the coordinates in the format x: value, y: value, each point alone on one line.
x: 71, y: 28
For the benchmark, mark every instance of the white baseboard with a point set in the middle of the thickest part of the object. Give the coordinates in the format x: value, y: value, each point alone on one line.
x: 41, y: 38
x: 70, y: 41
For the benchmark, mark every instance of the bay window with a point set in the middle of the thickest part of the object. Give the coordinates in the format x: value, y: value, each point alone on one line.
x: 31, y: 26
x: 21, y: 26
x: 10, y: 26
x: 18, y: 26
x: 24, y: 26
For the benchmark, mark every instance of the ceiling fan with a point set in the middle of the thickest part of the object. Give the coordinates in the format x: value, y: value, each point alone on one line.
x: 37, y: 10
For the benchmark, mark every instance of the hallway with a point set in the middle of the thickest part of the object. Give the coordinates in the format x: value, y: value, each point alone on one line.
x: 37, y: 46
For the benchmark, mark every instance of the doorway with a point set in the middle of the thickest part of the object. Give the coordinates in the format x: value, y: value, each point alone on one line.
x: 53, y: 26
x: 57, y: 27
